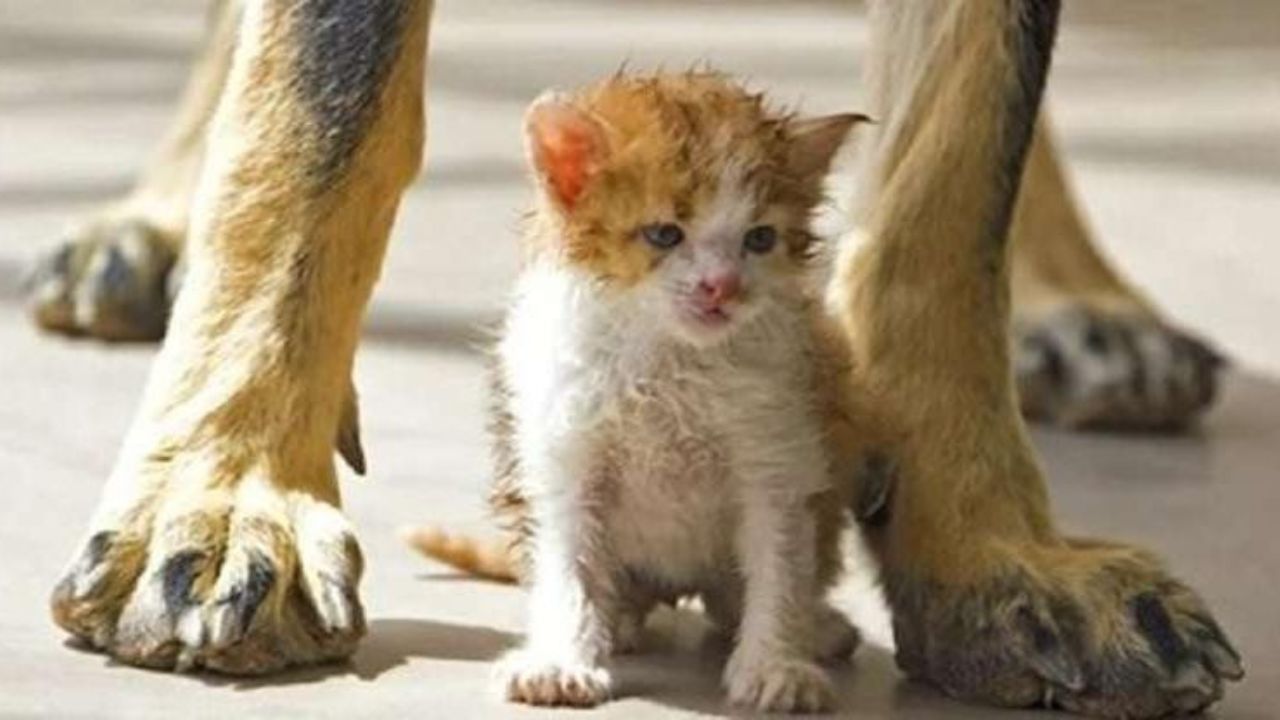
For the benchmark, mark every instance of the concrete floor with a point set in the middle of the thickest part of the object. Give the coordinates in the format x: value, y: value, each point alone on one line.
x: 1170, y: 111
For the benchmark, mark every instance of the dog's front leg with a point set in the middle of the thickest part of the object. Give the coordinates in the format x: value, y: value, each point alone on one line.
x: 991, y: 602
x: 219, y: 542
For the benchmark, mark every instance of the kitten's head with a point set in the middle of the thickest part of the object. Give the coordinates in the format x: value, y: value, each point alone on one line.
x: 682, y: 193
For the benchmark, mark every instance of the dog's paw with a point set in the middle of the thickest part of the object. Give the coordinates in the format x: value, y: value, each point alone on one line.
x: 1095, y: 628
x: 528, y: 677
x: 229, y: 574
x: 777, y: 684
x: 111, y: 281
x: 1081, y: 367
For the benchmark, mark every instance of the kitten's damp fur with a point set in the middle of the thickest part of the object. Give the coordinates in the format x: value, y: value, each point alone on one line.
x: 670, y: 421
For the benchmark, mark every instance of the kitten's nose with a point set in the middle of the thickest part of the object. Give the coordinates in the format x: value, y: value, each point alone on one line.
x: 718, y: 289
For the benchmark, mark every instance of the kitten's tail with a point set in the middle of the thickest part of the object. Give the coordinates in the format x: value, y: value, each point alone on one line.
x: 491, y: 558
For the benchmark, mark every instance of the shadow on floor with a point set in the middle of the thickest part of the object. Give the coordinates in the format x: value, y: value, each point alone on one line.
x: 389, y: 644
x: 392, y: 642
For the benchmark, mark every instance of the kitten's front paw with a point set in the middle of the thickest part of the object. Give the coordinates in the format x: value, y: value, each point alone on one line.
x: 773, y: 684
x: 535, y: 679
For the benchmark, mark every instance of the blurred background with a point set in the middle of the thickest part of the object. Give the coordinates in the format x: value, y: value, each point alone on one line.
x: 1169, y: 115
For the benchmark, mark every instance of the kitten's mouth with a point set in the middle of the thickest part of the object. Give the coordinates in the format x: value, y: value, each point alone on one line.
x: 709, y: 316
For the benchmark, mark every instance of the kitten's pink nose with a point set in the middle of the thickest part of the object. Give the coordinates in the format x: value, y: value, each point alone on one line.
x: 716, y: 290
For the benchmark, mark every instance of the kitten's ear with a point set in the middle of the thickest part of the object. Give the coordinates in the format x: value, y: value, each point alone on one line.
x: 565, y: 146
x: 815, y: 141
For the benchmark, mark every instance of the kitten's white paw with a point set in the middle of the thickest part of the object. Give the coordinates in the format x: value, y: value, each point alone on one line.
x: 778, y: 684
x: 837, y: 637
x: 537, y: 679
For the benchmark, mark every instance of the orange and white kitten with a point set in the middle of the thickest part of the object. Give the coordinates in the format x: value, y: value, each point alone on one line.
x: 660, y: 428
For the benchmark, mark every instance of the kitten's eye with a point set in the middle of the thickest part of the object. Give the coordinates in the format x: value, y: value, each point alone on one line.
x: 760, y: 239
x: 662, y: 235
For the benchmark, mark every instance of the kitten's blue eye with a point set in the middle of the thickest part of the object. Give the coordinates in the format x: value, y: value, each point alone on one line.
x: 760, y: 239
x: 662, y: 235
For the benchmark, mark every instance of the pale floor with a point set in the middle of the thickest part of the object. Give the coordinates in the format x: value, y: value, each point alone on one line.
x: 1170, y: 111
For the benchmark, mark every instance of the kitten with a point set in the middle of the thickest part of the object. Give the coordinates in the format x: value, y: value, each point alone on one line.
x: 666, y: 388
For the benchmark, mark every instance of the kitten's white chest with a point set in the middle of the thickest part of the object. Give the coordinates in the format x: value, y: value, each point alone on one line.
x: 674, y: 496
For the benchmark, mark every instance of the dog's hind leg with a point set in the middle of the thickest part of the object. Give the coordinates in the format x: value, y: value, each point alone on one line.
x: 219, y: 542
x: 114, y: 276
x: 1089, y: 349
x: 990, y: 602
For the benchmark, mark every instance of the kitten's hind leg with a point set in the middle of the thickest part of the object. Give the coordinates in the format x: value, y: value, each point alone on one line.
x: 836, y: 637
x: 722, y: 604
x: 627, y: 630
x: 634, y: 604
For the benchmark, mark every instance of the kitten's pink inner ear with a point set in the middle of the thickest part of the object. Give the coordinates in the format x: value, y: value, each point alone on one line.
x: 815, y: 142
x: 565, y: 145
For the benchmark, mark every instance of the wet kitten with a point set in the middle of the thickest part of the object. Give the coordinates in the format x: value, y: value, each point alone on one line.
x: 664, y: 392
